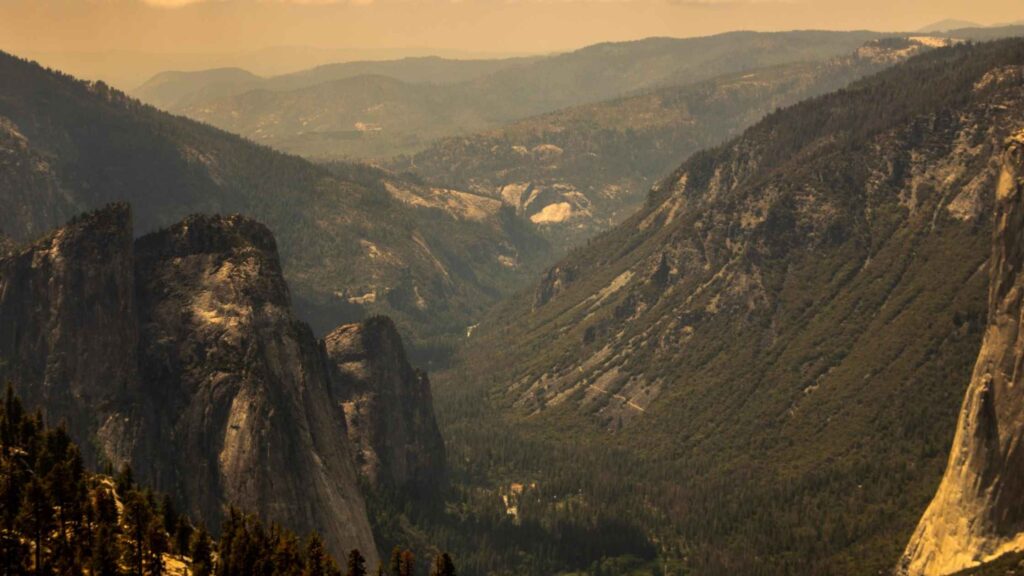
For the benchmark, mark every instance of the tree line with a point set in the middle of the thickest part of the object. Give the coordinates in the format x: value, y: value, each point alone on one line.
x: 58, y: 518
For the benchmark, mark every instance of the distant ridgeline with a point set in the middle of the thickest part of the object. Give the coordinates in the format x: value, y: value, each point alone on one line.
x: 58, y: 518
x: 581, y: 170
x: 379, y: 109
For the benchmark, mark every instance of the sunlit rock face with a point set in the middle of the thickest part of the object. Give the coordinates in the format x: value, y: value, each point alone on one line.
x: 978, y: 512
x: 388, y: 407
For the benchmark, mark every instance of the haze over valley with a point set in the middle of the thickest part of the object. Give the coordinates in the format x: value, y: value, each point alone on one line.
x: 323, y: 288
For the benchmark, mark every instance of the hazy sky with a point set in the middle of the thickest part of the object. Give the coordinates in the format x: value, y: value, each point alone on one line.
x: 128, y: 39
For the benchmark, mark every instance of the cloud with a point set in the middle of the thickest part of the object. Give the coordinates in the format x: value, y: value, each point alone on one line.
x: 182, y: 3
x: 724, y: 3
x: 171, y: 3
x: 705, y: 3
x: 693, y: 3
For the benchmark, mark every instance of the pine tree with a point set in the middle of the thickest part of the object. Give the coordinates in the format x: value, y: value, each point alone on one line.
x: 331, y: 567
x: 156, y: 546
x: 168, y: 514
x: 287, y: 557
x: 231, y: 525
x: 105, y: 551
x: 356, y: 564
x: 103, y: 554
x: 37, y: 522
x: 125, y: 480
x: 316, y: 557
x: 395, y: 565
x: 10, y: 423
x: 12, y: 549
x: 408, y: 564
x: 182, y: 535
x: 201, y: 552
x: 104, y: 508
x: 443, y: 565
x: 65, y: 485
x: 136, y: 518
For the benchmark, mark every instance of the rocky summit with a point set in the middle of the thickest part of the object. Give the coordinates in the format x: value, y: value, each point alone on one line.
x: 241, y: 393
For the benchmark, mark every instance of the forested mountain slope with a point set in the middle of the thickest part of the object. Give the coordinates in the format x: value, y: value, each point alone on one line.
x: 761, y: 368
x: 353, y: 239
x: 579, y: 171
x: 60, y: 517
x: 379, y: 114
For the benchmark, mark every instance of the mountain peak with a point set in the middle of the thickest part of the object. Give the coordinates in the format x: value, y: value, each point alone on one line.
x: 949, y: 24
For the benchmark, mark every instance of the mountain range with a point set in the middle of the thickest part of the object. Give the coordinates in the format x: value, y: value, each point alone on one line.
x: 755, y: 368
x: 949, y: 24
x: 180, y: 90
x: 330, y: 113
x: 579, y: 171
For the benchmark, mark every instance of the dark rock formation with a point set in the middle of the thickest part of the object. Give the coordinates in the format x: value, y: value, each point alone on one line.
x: 246, y: 403
x: 388, y: 407
x: 555, y: 280
x: 179, y: 354
x: 67, y: 328
x: 978, y: 512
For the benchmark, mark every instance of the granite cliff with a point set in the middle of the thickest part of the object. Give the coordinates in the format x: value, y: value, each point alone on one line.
x: 179, y: 354
x: 977, y: 514
x: 66, y: 303
x: 388, y: 406
x: 244, y: 400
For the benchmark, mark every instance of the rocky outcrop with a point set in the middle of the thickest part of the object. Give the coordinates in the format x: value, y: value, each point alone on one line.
x: 246, y: 402
x: 388, y: 407
x: 552, y: 283
x: 978, y: 512
x: 7, y: 246
x: 68, y: 334
x: 179, y: 353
